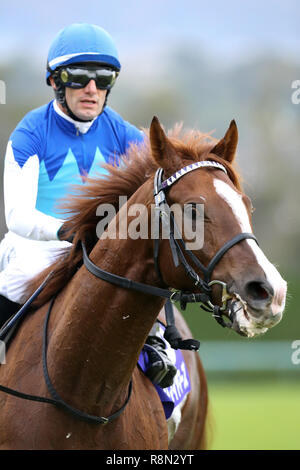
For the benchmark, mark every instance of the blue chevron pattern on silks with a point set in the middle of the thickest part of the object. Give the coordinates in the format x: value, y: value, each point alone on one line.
x: 83, y: 167
x: 69, y: 171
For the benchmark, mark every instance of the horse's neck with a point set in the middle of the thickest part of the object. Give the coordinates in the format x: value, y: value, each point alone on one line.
x: 96, y: 342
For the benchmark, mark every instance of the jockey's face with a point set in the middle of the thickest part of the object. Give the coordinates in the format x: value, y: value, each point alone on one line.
x: 86, y: 103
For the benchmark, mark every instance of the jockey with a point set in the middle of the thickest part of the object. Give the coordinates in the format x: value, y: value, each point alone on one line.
x: 55, y: 146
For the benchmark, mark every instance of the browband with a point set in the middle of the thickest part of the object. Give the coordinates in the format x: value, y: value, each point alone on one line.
x: 193, y: 166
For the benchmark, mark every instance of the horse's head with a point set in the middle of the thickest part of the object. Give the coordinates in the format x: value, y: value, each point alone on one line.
x: 253, y: 292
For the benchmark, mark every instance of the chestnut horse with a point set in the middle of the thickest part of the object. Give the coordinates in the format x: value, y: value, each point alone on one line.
x: 97, y: 330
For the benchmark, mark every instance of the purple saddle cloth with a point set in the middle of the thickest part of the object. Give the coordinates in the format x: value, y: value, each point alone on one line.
x: 173, y: 395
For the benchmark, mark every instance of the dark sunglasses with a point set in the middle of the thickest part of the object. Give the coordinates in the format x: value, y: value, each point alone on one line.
x: 76, y: 77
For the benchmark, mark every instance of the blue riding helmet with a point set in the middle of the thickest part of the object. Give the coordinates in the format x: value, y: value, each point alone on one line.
x: 82, y: 42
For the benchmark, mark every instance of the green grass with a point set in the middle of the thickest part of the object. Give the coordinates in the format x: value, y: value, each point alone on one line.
x: 257, y: 415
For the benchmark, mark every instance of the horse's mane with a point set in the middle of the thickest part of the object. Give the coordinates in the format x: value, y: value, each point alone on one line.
x: 134, y: 170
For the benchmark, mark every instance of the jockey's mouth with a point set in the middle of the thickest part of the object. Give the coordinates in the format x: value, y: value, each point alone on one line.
x: 88, y: 101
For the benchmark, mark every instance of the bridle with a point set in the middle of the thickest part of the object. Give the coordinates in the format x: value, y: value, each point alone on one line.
x: 179, y: 249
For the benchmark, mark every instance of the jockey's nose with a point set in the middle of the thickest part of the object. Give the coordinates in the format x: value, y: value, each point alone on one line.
x: 258, y: 294
x: 91, y: 87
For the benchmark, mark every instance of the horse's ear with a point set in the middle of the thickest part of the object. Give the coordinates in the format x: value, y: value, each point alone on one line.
x: 162, y: 149
x: 226, y: 147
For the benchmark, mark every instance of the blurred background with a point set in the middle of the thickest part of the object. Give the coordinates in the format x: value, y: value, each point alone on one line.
x: 202, y: 63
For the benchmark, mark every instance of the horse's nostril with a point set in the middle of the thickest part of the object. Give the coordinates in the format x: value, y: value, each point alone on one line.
x: 257, y: 290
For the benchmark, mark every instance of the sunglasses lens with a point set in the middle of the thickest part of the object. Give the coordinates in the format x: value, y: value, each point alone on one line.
x: 105, y: 78
x: 79, y: 78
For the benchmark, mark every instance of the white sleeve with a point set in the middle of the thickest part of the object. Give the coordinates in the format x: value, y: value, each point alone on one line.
x: 20, y: 193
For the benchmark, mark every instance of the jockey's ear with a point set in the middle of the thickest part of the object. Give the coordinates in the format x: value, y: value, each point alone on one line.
x: 52, y: 82
x: 226, y: 147
x: 162, y: 149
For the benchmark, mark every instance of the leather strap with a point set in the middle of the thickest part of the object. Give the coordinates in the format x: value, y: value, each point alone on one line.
x: 126, y: 283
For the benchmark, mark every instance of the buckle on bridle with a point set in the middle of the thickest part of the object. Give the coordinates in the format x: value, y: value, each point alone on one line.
x: 176, y: 292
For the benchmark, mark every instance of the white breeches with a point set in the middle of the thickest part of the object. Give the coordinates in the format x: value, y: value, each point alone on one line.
x: 21, y: 259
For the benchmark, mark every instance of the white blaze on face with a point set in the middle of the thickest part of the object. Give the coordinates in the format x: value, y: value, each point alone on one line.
x: 235, y: 201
